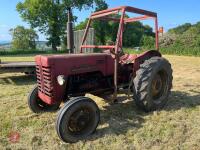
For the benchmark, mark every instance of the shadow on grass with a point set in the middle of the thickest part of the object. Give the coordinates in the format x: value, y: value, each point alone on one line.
x: 119, y: 119
x: 180, y: 99
x: 18, y: 80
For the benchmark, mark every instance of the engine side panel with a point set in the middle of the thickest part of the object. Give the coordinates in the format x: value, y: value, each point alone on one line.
x: 49, y: 90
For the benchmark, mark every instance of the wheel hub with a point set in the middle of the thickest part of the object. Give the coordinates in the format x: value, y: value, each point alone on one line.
x: 79, y: 121
x: 157, y: 85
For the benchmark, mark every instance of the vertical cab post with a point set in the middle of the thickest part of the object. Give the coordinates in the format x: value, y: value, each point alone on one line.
x: 156, y: 33
x: 118, y: 43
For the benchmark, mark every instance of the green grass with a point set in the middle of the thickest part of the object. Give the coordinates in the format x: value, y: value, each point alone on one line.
x: 29, y: 52
x: 179, y: 51
x: 122, y: 126
x: 132, y: 51
x: 171, y: 50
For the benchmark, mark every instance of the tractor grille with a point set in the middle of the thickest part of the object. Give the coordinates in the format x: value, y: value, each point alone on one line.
x: 44, y: 80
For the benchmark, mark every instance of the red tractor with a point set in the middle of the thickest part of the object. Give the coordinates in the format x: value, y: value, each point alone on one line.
x: 67, y: 78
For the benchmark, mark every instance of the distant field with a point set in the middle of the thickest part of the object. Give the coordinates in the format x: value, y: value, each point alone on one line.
x: 27, y: 57
x: 122, y: 126
x: 7, y: 44
x: 17, y: 58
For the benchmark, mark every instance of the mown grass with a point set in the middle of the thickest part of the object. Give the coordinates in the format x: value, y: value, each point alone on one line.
x: 122, y: 126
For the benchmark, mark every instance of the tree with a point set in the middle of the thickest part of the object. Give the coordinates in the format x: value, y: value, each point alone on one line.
x: 181, y: 29
x: 82, y: 25
x: 23, y: 38
x: 49, y: 16
x: 107, y: 31
x: 101, y: 27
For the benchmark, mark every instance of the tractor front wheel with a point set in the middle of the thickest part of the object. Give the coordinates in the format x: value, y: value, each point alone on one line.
x: 152, y: 84
x: 36, y: 105
x: 77, y: 119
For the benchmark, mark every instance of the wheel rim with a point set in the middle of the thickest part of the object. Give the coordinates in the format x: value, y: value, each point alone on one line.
x: 81, y: 121
x: 159, y: 86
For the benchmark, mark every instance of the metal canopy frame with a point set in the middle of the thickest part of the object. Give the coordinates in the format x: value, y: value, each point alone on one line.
x: 104, y: 15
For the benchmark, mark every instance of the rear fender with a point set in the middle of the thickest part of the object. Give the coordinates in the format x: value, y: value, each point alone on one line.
x: 145, y: 56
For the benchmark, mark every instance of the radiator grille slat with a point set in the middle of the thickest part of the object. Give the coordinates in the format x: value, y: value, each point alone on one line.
x: 44, y: 80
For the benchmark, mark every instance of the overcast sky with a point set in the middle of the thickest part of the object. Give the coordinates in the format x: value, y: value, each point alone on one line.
x: 170, y: 12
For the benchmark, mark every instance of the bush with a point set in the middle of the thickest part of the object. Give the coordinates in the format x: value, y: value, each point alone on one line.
x: 184, y: 40
x: 148, y: 42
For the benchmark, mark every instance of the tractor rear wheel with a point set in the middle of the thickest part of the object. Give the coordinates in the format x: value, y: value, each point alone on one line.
x: 77, y: 119
x: 152, y: 84
x: 36, y: 105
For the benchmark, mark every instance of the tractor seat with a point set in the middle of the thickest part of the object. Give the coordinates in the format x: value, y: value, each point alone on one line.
x: 127, y: 58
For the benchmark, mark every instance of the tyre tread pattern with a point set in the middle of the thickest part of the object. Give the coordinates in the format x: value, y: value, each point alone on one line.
x: 142, y: 78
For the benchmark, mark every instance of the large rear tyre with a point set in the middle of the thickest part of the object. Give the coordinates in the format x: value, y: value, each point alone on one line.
x: 152, y: 84
x: 77, y: 119
x: 36, y: 105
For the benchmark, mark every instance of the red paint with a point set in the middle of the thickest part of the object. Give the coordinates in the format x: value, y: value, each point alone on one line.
x: 50, y: 67
x: 136, y: 19
x: 66, y: 64
x: 96, y: 46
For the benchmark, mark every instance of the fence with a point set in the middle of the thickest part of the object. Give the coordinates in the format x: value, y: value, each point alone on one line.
x: 78, y: 35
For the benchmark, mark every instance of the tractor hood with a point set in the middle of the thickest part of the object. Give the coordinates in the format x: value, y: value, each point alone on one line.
x: 48, y: 60
x: 77, y: 63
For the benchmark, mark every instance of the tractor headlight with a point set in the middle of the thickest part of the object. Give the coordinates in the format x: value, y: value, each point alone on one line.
x: 61, y: 80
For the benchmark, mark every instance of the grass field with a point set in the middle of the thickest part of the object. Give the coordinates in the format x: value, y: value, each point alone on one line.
x: 122, y: 126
